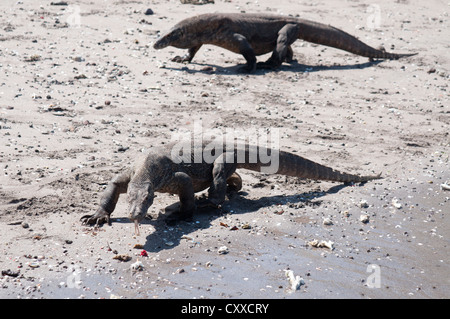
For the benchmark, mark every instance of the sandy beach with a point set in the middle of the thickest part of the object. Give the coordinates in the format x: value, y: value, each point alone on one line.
x: 83, y: 93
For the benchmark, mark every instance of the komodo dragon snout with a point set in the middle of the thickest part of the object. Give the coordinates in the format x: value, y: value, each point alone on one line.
x: 140, y: 198
x: 174, y: 34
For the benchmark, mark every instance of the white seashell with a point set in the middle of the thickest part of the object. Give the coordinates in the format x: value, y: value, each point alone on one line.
x: 396, y: 203
x: 138, y: 266
x: 322, y: 244
x: 363, y: 204
x: 364, y: 218
x: 294, y: 281
x: 345, y: 213
x: 223, y: 250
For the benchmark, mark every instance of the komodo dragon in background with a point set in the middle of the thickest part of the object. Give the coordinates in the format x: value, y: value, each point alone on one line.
x: 258, y: 34
x: 163, y: 170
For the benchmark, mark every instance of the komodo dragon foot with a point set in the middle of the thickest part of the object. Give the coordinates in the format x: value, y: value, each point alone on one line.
x: 207, y: 203
x: 175, y: 214
x: 100, y: 217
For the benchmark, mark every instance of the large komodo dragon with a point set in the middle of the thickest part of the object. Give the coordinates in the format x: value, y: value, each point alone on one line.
x: 258, y: 34
x: 197, y: 167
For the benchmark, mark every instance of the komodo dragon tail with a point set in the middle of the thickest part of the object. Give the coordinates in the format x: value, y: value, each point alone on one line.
x: 293, y: 165
x: 330, y: 36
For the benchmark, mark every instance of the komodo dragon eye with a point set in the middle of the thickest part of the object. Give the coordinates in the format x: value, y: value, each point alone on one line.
x: 180, y: 33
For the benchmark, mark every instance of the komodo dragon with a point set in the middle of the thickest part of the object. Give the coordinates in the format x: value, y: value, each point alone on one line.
x: 166, y: 171
x: 258, y: 34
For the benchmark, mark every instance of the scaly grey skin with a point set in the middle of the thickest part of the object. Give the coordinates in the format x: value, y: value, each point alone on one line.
x: 256, y: 34
x: 162, y: 171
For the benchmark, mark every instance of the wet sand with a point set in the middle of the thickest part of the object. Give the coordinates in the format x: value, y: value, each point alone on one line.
x: 83, y: 92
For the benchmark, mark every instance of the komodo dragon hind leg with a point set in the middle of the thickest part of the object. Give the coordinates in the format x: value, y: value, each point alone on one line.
x: 289, y: 55
x: 223, y: 173
x: 239, y: 43
x: 283, y: 51
x: 234, y: 183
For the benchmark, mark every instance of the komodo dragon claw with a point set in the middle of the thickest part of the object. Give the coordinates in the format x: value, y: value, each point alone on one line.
x: 100, y: 217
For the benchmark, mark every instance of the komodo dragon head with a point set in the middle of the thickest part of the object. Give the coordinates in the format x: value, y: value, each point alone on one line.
x: 188, y: 33
x: 140, y: 198
x: 176, y: 37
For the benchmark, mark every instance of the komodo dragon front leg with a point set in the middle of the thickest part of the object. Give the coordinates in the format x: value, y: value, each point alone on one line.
x: 118, y: 185
x: 283, y: 51
x: 181, y: 184
x: 188, y: 56
x: 234, y: 42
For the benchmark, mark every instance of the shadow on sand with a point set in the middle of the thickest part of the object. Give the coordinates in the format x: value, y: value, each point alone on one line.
x: 294, y: 66
x: 165, y: 238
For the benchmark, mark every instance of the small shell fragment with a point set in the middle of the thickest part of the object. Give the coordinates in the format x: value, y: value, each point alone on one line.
x: 364, y: 218
x: 396, y: 203
x: 363, y: 204
x: 445, y: 187
x: 327, y: 222
x: 294, y: 281
x: 223, y: 250
x: 321, y: 244
x: 187, y: 237
x: 345, y: 213
x: 137, y: 266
